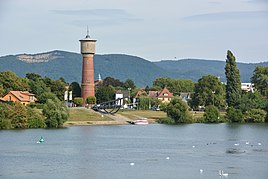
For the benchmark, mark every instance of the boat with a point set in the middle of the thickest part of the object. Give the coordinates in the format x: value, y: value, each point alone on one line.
x: 137, y: 122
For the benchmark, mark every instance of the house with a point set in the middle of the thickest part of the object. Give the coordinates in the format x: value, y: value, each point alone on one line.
x: 164, y: 96
x: 185, y: 97
x: 24, y: 97
x: 121, y: 94
x: 247, y: 87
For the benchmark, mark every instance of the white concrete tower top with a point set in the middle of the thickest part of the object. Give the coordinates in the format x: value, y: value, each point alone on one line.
x: 88, y: 45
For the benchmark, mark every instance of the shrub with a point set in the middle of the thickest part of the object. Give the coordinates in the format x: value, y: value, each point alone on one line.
x: 178, y: 110
x: 234, y: 115
x: 91, y: 100
x: 78, y: 101
x: 35, y: 119
x: 166, y: 120
x: 255, y: 115
x: 56, y: 113
x: 212, y: 114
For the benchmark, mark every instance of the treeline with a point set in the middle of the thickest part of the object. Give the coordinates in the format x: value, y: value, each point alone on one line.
x: 49, y: 94
x: 212, y: 95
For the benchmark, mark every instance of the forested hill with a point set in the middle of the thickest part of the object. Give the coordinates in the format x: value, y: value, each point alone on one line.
x: 68, y: 65
x: 196, y: 68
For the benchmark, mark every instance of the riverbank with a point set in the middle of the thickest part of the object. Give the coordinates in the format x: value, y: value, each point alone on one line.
x: 85, y: 117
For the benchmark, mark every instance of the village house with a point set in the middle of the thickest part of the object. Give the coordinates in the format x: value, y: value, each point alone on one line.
x: 24, y: 97
x: 164, y: 95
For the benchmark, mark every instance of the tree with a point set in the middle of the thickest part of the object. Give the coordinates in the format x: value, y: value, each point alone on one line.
x: 58, y: 88
x: 19, y: 116
x: 255, y: 115
x: 129, y: 84
x: 233, y: 87
x: 56, y: 113
x: 178, y: 110
x: 109, y: 81
x: 10, y: 81
x: 75, y: 87
x: 174, y: 86
x: 143, y: 103
x: 212, y: 114
x: 104, y: 93
x: 251, y: 100
x: 33, y: 76
x: 260, y: 80
x: 35, y: 119
x: 42, y: 98
x: 234, y: 115
x: 208, y: 91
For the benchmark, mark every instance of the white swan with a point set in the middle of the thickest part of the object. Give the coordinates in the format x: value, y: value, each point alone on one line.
x: 221, y: 173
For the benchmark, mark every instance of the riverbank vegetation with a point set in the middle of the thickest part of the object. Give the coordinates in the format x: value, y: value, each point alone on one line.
x: 221, y: 102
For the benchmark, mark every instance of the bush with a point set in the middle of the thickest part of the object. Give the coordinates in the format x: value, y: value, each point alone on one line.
x: 212, y: 114
x: 91, y: 100
x: 166, y: 120
x: 234, y: 115
x: 78, y: 101
x: 178, y: 110
x: 144, y: 103
x: 255, y: 115
x: 19, y: 116
x: 56, y: 113
x: 35, y: 119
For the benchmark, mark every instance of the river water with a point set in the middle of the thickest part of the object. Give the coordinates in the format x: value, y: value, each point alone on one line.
x: 137, y: 151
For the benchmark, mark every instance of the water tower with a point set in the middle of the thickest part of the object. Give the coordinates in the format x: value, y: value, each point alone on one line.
x: 88, y: 51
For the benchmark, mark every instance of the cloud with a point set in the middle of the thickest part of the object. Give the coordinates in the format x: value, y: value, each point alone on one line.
x: 239, y: 15
x: 98, y: 17
x: 94, y: 12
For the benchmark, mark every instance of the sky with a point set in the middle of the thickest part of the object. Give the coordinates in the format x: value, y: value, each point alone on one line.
x: 152, y: 29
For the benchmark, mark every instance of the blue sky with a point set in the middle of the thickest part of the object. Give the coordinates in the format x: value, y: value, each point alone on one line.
x: 151, y: 29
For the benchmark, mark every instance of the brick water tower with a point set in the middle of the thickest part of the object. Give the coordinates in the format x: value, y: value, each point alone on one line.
x: 88, y: 51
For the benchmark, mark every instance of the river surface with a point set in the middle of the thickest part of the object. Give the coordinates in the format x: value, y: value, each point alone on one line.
x: 137, y: 151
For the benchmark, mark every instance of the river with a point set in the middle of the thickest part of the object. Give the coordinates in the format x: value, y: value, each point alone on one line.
x: 136, y: 151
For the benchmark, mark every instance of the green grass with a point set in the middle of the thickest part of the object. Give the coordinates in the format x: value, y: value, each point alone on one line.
x: 78, y: 114
x: 137, y: 114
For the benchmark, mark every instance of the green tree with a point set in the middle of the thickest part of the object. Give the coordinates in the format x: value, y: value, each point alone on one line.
x: 33, y: 76
x: 42, y: 98
x: 56, y: 113
x: 35, y: 119
x: 2, y: 91
x: 10, y: 81
x: 212, y: 114
x: 234, y: 115
x: 174, y: 86
x: 104, y: 93
x: 5, y: 122
x: 58, y: 88
x: 233, y: 86
x: 144, y: 103
x: 129, y: 84
x: 255, y: 115
x: 110, y: 81
x: 208, y: 91
x: 78, y: 101
x: 91, y: 100
x: 251, y: 100
x: 75, y: 87
x: 19, y: 116
x: 178, y: 110
x: 260, y: 80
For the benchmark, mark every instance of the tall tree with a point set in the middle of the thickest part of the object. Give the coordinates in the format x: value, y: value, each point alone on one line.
x: 233, y: 86
x: 208, y: 91
x: 75, y: 87
x: 260, y: 80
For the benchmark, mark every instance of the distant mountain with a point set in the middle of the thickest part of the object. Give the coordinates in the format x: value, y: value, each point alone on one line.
x: 68, y: 65
x: 196, y: 68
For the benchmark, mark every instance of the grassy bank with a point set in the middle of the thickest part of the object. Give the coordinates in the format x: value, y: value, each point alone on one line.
x: 138, y: 114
